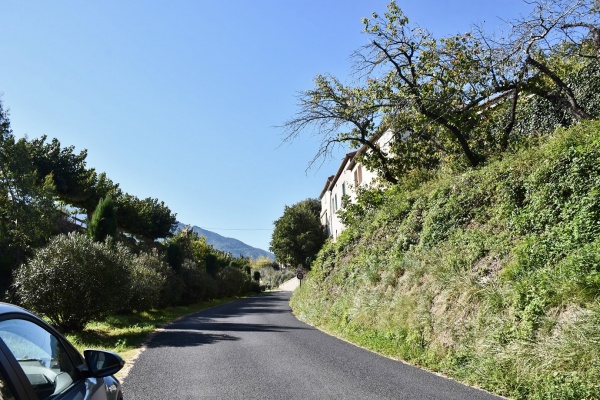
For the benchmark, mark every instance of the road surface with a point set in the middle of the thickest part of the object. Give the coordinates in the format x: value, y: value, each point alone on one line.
x: 256, y: 349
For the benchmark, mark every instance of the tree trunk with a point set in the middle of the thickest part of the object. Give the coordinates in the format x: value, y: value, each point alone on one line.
x: 567, y: 101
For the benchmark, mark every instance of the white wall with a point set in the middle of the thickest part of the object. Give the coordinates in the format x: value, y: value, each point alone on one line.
x: 343, y: 185
x: 349, y: 176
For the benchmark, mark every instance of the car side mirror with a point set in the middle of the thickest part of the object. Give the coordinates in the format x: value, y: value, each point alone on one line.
x: 102, y: 363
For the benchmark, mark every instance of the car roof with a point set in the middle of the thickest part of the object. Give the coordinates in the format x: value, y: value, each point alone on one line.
x: 6, y: 308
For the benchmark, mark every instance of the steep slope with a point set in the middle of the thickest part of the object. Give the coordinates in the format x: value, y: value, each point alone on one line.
x: 491, y: 276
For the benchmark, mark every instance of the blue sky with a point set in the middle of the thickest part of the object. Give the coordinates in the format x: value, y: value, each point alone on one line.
x: 179, y: 100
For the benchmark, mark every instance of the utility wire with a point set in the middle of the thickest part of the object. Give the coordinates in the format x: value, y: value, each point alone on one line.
x: 236, y: 229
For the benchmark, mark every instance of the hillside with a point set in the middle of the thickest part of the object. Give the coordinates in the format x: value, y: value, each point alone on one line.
x: 491, y: 276
x: 230, y: 245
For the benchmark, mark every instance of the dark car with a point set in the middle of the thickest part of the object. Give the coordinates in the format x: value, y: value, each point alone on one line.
x: 37, y: 362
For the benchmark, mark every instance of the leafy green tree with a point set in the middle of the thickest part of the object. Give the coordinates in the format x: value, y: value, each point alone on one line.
x: 175, y: 255
x: 28, y: 216
x: 181, y: 247
x: 430, y: 93
x: 298, y: 235
x: 436, y: 91
x: 147, y: 219
x: 68, y: 170
x: 213, y: 266
x: 104, y: 220
x: 98, y: 186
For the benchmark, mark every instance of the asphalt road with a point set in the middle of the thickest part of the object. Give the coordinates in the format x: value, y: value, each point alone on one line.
x: 256, y: 349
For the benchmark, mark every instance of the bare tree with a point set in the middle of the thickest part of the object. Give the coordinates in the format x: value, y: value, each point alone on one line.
x: 444, y: 84
x: 340, y: 115
x: 550, y: 43
x: 457, y: 97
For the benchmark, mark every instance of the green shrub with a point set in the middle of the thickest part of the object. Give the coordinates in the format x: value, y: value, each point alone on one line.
x: 149, y: 278
x: 232, y: 281
x: 74, y: 280
x: 173, y: 289
x: 104, y: 220
x: 198, y: 284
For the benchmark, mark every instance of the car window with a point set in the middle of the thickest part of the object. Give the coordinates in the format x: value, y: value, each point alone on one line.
x: 5, y: 391
x: 41, y: 356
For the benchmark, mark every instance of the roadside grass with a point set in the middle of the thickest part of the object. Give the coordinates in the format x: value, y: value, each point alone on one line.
x: 126, y: 334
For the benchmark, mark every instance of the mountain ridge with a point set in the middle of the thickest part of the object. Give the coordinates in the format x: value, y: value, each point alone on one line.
x: 236, y: 247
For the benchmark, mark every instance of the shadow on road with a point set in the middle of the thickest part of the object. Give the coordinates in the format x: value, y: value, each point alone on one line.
x: 186, y: 338
x: 266, y: 303
x: 208, y: 327
x: 206, y: 324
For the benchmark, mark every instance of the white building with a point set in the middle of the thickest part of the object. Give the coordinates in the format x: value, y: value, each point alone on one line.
x: 350, y: 176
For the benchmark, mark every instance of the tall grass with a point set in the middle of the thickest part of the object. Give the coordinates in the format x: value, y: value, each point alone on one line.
x: 490, y: 276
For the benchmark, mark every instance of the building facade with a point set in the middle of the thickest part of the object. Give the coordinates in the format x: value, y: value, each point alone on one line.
x: 349, y: 177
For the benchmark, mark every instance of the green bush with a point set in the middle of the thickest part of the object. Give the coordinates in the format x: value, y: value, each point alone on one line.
x: 198, y: 284
x: 149, y: 278
x: 74, y: 280
x: 104, y: 220
x: 172, y: 290
x: 232, y: 282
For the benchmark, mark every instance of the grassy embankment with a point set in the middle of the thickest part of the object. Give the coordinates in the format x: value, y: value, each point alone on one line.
x: 491, y: 277
x: 125, y: 334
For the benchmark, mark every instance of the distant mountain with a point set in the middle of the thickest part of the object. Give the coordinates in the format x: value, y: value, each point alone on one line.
x: 236, y: 247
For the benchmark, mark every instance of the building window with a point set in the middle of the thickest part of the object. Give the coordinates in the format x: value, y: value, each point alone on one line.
x: 335, y: 203
x: 358, y: 176
x: 344, y: 189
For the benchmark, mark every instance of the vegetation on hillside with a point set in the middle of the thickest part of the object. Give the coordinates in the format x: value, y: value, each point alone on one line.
x: 477, y: 255
x: 490, y: 276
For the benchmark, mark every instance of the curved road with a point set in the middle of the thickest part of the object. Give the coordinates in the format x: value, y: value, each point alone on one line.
x: 256, y: 349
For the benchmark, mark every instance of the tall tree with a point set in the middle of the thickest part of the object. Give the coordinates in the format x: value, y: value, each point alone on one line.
x: 460, y: 97
x: 104, y: 220
x: 98, y: 186
x: 148, y: 219
x: 431, y: 93
x: 342, y: 115
x: 68, y: 170
x: 556, y: 40
x: 28, y: 216
x: 436, y: 90
x: 298, y: 235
